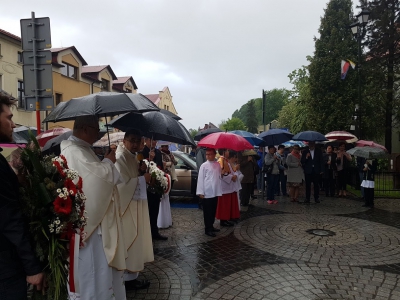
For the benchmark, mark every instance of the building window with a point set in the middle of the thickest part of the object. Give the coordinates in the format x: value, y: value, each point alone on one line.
x: 20, y: 59
x: 69, y: 70
x: 21, y: 94
x: 105, y: 85
x: 58, y: 98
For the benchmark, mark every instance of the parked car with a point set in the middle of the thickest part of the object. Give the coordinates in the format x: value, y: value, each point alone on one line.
x: 186, y: 171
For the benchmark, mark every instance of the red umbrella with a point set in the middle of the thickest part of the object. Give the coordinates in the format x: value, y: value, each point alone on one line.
x: 362, y: 143
x: 49, y: 134
x: 341, y: 136
x: 225, y: 140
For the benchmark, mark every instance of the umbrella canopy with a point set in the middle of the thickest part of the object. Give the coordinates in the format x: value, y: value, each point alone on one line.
x: 341, y: 136
x: 101, y: 104
x: 170, y: 114
x: 53, y: 146
x: 309, y: 136
x: 225, y: 140
x: 203, y: 133
x: 251, y: 138
x: 156, y: 125
x: 18, y: 139
x: 275, y: 136
x: 23, y: 131
x: 367, y: 152
x: 115, y: 138
x: 291, y: 143
x: 362, y: 143
x: 49, y: 134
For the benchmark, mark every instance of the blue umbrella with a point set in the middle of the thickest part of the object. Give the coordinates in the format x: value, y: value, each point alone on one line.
x: 251, y: 138
x: 291, y: 143
x: 275, y: 136
x: 310, y: 136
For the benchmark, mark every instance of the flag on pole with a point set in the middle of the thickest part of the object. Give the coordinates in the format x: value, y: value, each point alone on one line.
x: 344, y: 68
x: 352, y: 64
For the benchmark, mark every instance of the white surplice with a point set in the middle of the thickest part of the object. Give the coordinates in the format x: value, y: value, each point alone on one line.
x: 209, y: 180
x: 102, y: 260
x: 164, y: 219
x: 134, y: 210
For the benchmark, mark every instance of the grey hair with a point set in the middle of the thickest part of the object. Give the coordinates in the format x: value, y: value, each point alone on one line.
x: 81, y: 122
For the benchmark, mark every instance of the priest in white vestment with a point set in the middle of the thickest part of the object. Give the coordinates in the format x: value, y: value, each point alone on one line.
x: 102, y: 259
x: 134, y: 209
x: 209, y: 189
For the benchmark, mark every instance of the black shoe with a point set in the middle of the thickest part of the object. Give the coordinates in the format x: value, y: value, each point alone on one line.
x: 160, y: 237
x: 215, y: 230
x: 317, y: 201
x: 365, y: 205
x: 226, y: 224
x: 136, y: 285
x: 210, y: 233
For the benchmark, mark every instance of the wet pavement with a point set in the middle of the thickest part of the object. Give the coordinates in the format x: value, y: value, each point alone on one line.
x: 336, y: 249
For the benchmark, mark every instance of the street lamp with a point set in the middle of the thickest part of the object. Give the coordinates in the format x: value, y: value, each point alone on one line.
x: 359, y: 31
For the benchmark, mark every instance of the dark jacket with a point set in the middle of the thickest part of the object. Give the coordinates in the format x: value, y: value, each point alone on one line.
x: 16, y: 254
x: 369, y: 174
x: 247, y: 169
x: 157, y: 159
x: 312, y: 165
x: 332, y: 166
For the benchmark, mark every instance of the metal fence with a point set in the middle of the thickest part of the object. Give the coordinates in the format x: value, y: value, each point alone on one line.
x: 385, y: 181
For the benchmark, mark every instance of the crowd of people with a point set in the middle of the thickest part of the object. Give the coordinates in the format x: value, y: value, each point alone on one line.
x: 226, y: 183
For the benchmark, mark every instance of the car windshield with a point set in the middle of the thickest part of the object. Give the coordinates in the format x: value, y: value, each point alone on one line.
x: 186, y: 157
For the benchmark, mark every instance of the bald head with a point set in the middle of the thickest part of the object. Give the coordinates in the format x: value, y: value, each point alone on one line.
x: 87, y: 128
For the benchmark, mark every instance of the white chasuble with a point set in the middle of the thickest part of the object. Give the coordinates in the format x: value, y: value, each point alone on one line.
x: 102, y: 199
x: 135, y: 212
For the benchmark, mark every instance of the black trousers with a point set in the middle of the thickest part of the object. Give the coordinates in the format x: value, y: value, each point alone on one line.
x: 13, y: 288
x: 329, y: 183
x: 342, y: 179
x: 369, y: 197
x: 246, y: 192
x: 312, y: 178
x: 209, y: 210
x: 153, y: 201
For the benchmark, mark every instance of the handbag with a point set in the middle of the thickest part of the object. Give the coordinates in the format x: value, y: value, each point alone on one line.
x: 267, y: 168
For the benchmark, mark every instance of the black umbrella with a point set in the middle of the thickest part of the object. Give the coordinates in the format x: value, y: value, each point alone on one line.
x: 309, y: 136
x: 203, y: 133
x: 275, y: 136
x: 103, y: 104
x: 53, y: 146
x: 170, y: 114
x: 154, y: 125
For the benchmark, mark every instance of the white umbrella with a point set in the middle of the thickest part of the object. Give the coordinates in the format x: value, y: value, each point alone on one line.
x: 367, y: 152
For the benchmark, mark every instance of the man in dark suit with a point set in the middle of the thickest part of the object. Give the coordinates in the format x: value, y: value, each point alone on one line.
x: 313, y: 166
x: 18, y: 262
x: 153, y: 199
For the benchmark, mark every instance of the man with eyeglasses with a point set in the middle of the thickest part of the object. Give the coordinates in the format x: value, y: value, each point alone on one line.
x: 104, y: 254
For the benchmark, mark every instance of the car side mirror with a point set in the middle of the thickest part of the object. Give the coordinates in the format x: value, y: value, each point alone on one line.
x: 184, y: 167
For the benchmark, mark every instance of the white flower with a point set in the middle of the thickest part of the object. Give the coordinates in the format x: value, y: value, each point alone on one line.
x: 58, y: 190
x: 61, y: 195
x: 65, y: 189
x: 57, y: 222
x: 51, y: 230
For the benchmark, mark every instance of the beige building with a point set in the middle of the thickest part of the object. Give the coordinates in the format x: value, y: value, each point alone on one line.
x: 163, y: 100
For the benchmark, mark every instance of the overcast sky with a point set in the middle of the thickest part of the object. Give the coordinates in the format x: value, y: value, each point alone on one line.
x: 214, y: 55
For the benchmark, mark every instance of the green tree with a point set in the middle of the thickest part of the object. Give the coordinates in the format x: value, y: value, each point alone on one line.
x: 233, y: 124
x: 193, y: 132
x: 251, y: 120
x: 383, y: 63
x: 294, y: 115
x: 274, y: 101
x: 332, y: 100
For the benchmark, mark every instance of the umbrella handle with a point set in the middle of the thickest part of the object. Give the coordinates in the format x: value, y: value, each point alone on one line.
x: 108, y: 132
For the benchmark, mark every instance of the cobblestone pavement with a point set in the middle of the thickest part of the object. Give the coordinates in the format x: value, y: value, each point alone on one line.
x: 332, y: 250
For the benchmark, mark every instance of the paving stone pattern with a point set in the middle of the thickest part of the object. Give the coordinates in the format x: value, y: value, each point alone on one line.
x: 270, y: 255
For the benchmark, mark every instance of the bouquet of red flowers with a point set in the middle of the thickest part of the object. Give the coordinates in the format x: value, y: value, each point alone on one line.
x: 54, y: 206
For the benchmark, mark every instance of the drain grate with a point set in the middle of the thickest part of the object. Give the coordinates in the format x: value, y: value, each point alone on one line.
x: 321, y: 232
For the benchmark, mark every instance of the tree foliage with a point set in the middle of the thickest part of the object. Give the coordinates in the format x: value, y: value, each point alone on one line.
x: 193, y: 132
x: 294, y: 115
x: 251, y: 120
x: 233, y: 124
x: 383, y: 64
x: 332, y: 100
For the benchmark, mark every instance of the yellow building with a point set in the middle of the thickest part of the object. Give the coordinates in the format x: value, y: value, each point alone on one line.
x: 163, y: 100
